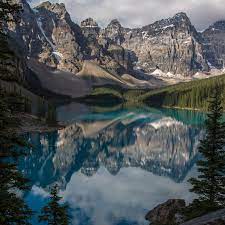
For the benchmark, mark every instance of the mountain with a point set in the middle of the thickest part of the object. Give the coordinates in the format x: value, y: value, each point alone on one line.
x: 165, y: 50
x: 48, y: 34
x: 214, y: 44
x: 171, y: 45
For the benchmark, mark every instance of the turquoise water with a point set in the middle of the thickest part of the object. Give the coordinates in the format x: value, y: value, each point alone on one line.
x: 112, y: 167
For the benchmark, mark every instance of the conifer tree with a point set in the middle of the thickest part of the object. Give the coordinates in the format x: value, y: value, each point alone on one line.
x: 13, y: 209
x: 210, y: 184
x: 54, y: 213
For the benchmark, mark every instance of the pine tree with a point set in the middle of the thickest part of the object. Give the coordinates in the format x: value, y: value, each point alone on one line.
x: 210, y: 185
x: 54, y: 213
x: 13, y: 209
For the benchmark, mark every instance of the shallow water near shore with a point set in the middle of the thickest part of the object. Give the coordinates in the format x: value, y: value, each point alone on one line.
x: 113, y: 166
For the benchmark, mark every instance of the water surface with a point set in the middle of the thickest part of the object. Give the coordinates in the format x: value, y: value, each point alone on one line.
x: 112, y: 167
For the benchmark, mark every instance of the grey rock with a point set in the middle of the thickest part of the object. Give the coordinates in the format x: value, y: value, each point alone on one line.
x: 165, y: 214
x: 214, y: 44
x: 62, y: 35
x: 214, y: 218
x: 172, y: 45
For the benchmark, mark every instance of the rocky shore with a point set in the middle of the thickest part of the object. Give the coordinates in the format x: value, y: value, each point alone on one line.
x: 169, y: 213
x: 30, y: 123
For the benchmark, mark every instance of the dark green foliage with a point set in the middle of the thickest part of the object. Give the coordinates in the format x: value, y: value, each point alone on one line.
x: 41, y: 107
x: 51, y: 114
x: 13, y: 209
x: 192, y: 95
x: 111, y: 95
x: 54, y: 213
x: 210, y: 184
x: 5, y: 52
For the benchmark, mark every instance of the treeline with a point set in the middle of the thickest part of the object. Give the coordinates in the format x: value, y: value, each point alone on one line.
x: 110, y: 95
x: 24, y: 103
x: 189, y: 95
x: 192, y: 95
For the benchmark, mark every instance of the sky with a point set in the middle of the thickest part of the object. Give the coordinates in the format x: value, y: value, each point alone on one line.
x: 137, y: 13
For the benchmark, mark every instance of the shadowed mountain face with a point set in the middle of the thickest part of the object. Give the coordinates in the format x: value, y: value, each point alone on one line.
x: 153, y: 142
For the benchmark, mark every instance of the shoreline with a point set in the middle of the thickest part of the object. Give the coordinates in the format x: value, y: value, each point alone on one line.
x: 31, y: 124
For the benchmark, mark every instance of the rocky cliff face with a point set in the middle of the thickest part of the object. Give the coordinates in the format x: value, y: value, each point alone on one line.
x: 47, y: 34
x: 171, y: 45
x: 61, y: 35
x: 102, y: 49
x: 214, y: 44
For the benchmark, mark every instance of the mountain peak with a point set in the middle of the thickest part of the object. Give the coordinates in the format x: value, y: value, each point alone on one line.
x: 181, y: 14
x: 220, y: 25
x: 56, y: 8
x: 215, y: 27
x: 114, y: 23
x: 89, y: 22
x: 46, y: 4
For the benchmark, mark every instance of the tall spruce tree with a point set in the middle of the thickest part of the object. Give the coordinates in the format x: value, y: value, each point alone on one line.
x: 13, y: 209
x: 54, y: 213
x: 210, y: 184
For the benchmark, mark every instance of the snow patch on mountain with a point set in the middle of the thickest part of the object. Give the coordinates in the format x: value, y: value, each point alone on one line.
x: 58, y: 55
x: 169, y: 26
x: 39, y: 23
x: 158, y: 72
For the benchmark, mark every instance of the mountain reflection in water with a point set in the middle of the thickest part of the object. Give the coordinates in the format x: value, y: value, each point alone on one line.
x: 112, y: 167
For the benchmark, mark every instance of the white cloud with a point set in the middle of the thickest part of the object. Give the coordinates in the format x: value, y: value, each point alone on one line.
x: 133, y: 13
x: 37, y: 191
x: 105, y: 198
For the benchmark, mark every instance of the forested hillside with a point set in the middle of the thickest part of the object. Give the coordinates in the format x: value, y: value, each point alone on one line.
x: 193, y: 95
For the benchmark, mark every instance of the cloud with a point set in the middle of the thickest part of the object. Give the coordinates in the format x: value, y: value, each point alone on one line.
x: 133, y: 13
x: 105, y: 199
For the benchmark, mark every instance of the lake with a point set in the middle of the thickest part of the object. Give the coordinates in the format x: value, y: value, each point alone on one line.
x: 114, y: 165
